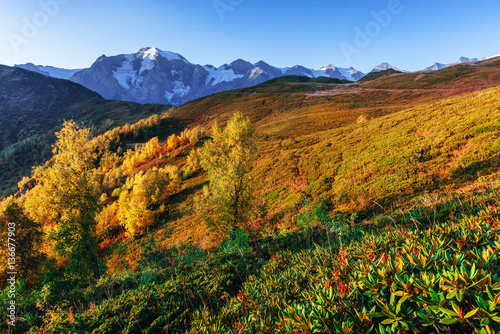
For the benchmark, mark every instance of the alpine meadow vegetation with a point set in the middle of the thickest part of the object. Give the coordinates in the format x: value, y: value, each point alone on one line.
x: 307, y: 211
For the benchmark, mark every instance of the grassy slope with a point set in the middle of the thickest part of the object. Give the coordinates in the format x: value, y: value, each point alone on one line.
x: 360, y: 166
x: 312, y: 146
x: 375, y: 75
x: 470, y: 75
x: 338, y: 144
x: 281, y: 283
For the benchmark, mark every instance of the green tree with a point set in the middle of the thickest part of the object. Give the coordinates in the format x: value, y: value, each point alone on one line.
x: 228, y: 159
x: 27, y: 236
x: 68, y: 194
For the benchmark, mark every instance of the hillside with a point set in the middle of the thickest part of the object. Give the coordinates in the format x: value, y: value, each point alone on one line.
x: 32, y: 108
x: 293, y: 106
x: 347, y: 231
x: 379, y: 74
x: 288, y: 107
x: 477, y: 75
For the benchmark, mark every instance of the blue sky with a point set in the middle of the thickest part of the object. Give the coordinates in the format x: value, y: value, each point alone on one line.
x: 409, y: 34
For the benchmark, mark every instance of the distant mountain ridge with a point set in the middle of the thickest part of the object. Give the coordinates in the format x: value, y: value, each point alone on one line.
x: 461, y: 60
x: 384, y: 67
x: 55, y: 72
x: 155, y: 76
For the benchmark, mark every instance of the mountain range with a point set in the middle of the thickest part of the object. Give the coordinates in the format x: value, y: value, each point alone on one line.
x: 461, y: 60
x: 155, y: 76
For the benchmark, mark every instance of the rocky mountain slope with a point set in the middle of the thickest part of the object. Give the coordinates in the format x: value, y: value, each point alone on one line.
x: 154, y: 76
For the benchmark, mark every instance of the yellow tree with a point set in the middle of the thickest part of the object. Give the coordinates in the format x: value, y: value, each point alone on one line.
x: 228, y: 159
x: 141, y: 193
x: 68, y: 194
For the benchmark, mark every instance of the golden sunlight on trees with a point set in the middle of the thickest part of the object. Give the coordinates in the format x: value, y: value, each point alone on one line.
x: 173, y: 141
x: 68, y: 194
x: 141, y: 193
x: 228, y: 158
x: 192, y: 135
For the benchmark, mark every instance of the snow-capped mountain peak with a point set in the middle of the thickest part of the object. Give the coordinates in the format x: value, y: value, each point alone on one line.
x: 153, y: 53
x: 328, y: 67
x: 383, y: 67
x: 461, y: 60
x: 154, y: 76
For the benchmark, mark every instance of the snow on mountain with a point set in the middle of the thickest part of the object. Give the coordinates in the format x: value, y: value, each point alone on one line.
x: 461, y: 60
x: 329, y: 71
x: 351, y: 74
x: 384, y: 67
x: 50, y: 71
x: 468, y: 60
x: 436, y: 66
x: 125, y: 74
x: 153, y: 53
x: 221, y: 74
x: 179, y: 91
x: 155, y: 76
x: 328, y: 67
x: 255, y: 73
x: 498, y: 55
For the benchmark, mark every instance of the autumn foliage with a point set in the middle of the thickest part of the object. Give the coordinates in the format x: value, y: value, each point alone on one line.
x: 300, y: 214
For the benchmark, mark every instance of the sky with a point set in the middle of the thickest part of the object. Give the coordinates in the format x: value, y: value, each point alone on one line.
x: 409, y: 34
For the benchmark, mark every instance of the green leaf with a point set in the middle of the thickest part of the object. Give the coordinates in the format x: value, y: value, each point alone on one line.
x: 471, y: 313
x: 449, y: 312
x: 402, y: 300
x: 497, y: 319
x: 434, y: 295
x: 404, y: 325
x: 448, y: 321
x: 481, y: 302
x: 398, y: 308
x: 388, y: 321
x: 451, y: 294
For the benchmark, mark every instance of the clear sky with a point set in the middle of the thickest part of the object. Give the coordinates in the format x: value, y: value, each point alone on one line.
x: 409, y: 34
